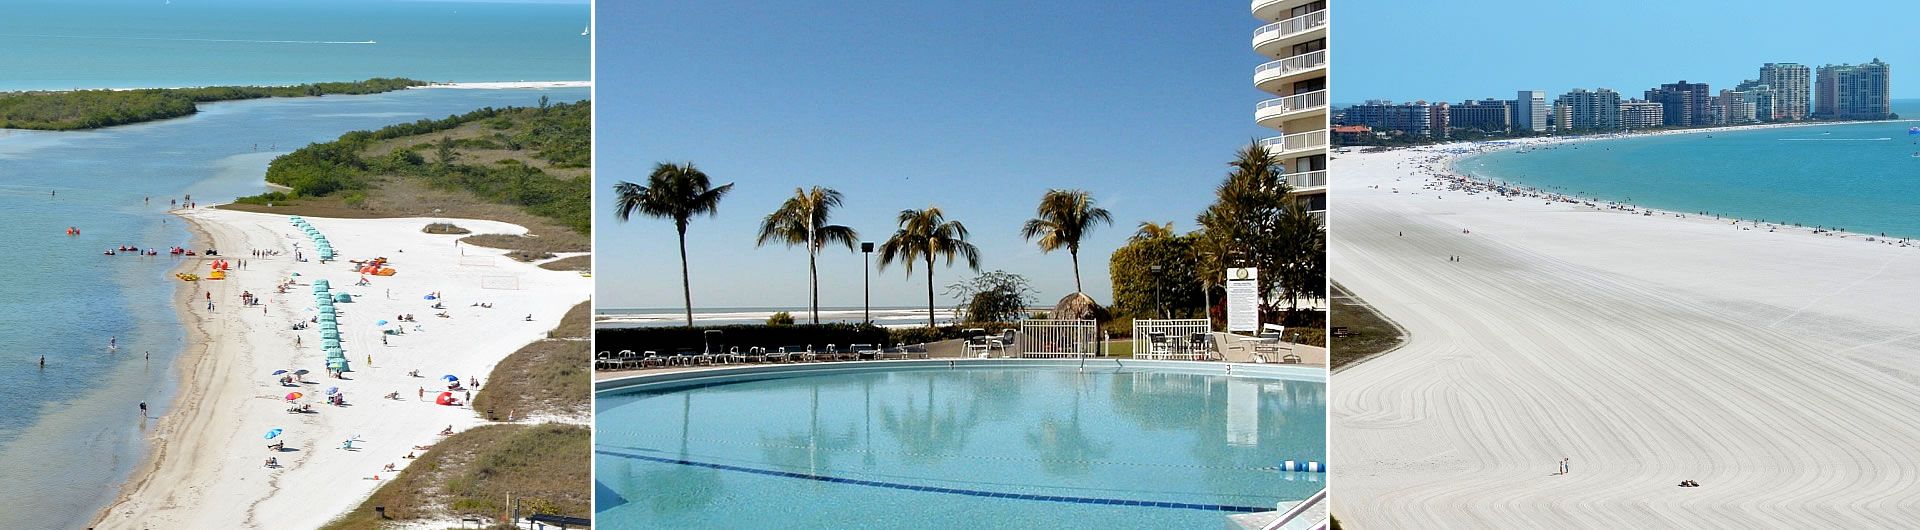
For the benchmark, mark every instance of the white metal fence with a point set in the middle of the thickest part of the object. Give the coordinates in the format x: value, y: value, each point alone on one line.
x: 1189, y: 339
x: 1058, y: 338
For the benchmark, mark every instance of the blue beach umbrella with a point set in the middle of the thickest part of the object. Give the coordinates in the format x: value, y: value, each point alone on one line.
x: 273, y: 433
x: 450, y: 378
x: 302, y: 371
x: 278, y: 372
x: 333, y: 390
x: 380, y: 323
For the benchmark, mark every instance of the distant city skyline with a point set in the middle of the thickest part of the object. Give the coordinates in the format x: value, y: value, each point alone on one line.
x: 1529, y: 54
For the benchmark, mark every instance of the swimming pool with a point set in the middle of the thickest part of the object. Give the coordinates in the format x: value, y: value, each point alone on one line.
x: 940, y: 444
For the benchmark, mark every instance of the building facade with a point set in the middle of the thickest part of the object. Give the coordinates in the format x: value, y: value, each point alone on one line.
x: 1641, y: 114
x: 1685, y: 104
x: 1490, y: 115
x: 1294, y: 39
x: 1530, y: 110
x: 1853, y: 92
x: 1414, y: 118
x: 1765, y: 102
x: 1598, y: 110
x: 1791, y: 86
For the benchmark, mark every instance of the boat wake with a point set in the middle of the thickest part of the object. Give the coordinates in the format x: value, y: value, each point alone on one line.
x: 1835, y: 139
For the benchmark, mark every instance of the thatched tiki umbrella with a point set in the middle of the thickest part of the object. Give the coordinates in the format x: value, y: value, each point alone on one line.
x: 1076, y: 306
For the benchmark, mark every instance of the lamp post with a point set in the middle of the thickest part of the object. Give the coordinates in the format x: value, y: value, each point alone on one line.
x: 1157, y: 307
x: 866, y: 281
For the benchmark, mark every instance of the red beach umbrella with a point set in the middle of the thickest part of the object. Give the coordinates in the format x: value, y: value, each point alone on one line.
x: 446, y: 398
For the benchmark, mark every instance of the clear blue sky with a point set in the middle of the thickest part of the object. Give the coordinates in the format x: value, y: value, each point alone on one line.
x: 977, y: 108
x: 1451, y: 50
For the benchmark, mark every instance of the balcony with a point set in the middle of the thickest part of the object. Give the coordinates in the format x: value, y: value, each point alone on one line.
x: 1274, y: 9
x: 1274, y: 39
x: 1297, y: 144
x: 1307, y: 181
x: 1271, y: 113
x: 1277, y: 76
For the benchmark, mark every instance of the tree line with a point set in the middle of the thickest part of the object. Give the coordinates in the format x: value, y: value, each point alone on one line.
x: 1252, y: 223
x: 93, y: 109
x: 559, y: 134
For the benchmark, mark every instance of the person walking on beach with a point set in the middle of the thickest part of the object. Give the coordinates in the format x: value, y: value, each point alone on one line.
x: 423, y: 390
x: 143, y: 409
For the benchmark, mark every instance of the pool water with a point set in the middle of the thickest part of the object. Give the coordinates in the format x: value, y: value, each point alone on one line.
x: 972, y: 447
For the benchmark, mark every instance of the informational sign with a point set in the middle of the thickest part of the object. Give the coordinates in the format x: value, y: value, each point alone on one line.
x: 1243, y: 300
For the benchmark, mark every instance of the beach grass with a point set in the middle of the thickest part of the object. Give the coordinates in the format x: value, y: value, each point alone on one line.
x: 575, y: 263
x: 549, y: 376
x: 471, y: 474
x: 1369, y: 333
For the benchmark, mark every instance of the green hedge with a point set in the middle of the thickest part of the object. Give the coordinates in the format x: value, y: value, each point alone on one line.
x: 668, y: 340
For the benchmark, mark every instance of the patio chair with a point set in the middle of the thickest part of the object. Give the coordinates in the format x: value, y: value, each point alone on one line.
x: 1158, y: 347
x: 1004, y: 341
x: 1200, y: 345
x: 979, y: 346
x: 602, y: 360
x: 1270, y: 344
x: 867, y: 350
x: 652, y: 358
x: 832, y: 352
x: 779, y: 355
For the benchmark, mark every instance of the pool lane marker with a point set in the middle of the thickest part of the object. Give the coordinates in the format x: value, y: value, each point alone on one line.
x: 949, y: 491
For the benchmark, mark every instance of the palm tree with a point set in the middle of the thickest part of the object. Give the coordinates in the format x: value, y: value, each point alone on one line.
x: 1063, y: 218
x: 1151, y: 230
x: 924, y: 235
x: 802, y: 220
x: 673, y: 191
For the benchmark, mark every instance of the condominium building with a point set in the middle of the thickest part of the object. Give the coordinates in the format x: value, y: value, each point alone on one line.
x: 1295, y: 40
x: 1732, y: 107
x: 1490, y: 115
x: 1598, y: 110
x: 1414, y: 118
x: 1791, y: 86
x: 1641, y: 114
x: 1765, y: 102
x: 1530, y: 110
x: 1685, y: 104
x: 1852, y: 92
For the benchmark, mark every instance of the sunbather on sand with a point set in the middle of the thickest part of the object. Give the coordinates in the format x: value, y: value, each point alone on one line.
x: 447, y: 431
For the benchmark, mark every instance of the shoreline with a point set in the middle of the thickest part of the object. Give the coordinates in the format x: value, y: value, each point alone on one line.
x: 1445, y: 168
x: 198, y: 343
x: 198, y: 456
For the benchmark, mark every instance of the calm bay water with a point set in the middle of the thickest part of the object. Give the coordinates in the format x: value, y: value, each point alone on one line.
x: 1860, y: 177
x: 66, y: 44
x: 71, y: 433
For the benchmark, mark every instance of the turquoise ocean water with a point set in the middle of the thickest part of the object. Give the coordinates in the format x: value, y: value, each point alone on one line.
x: 71, y: 433
x: 1860, y: 177
x: 66, y: 44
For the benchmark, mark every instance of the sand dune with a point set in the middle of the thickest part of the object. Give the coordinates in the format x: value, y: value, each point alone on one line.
x: 1777, y: 369
x: 207, y: 467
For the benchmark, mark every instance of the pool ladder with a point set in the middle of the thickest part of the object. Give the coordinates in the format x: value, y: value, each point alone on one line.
x: 1300, y: 509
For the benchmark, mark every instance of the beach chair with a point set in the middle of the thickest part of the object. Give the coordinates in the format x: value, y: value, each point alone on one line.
x: 619, y: 361
x: 864, y: 350
x: 601, y: 359
x: 653, y: 358
x: 755, y: 354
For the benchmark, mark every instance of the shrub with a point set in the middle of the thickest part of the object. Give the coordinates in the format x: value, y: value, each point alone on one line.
x: 782, y: 318
x: 668, y: 340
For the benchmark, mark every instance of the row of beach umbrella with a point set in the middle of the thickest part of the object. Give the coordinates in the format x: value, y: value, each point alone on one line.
x: 320, y: 243
x: 323, y: 299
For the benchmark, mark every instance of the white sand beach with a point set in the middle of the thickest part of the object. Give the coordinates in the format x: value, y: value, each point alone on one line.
x: 1776, y: 367
x: 206, y: 468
